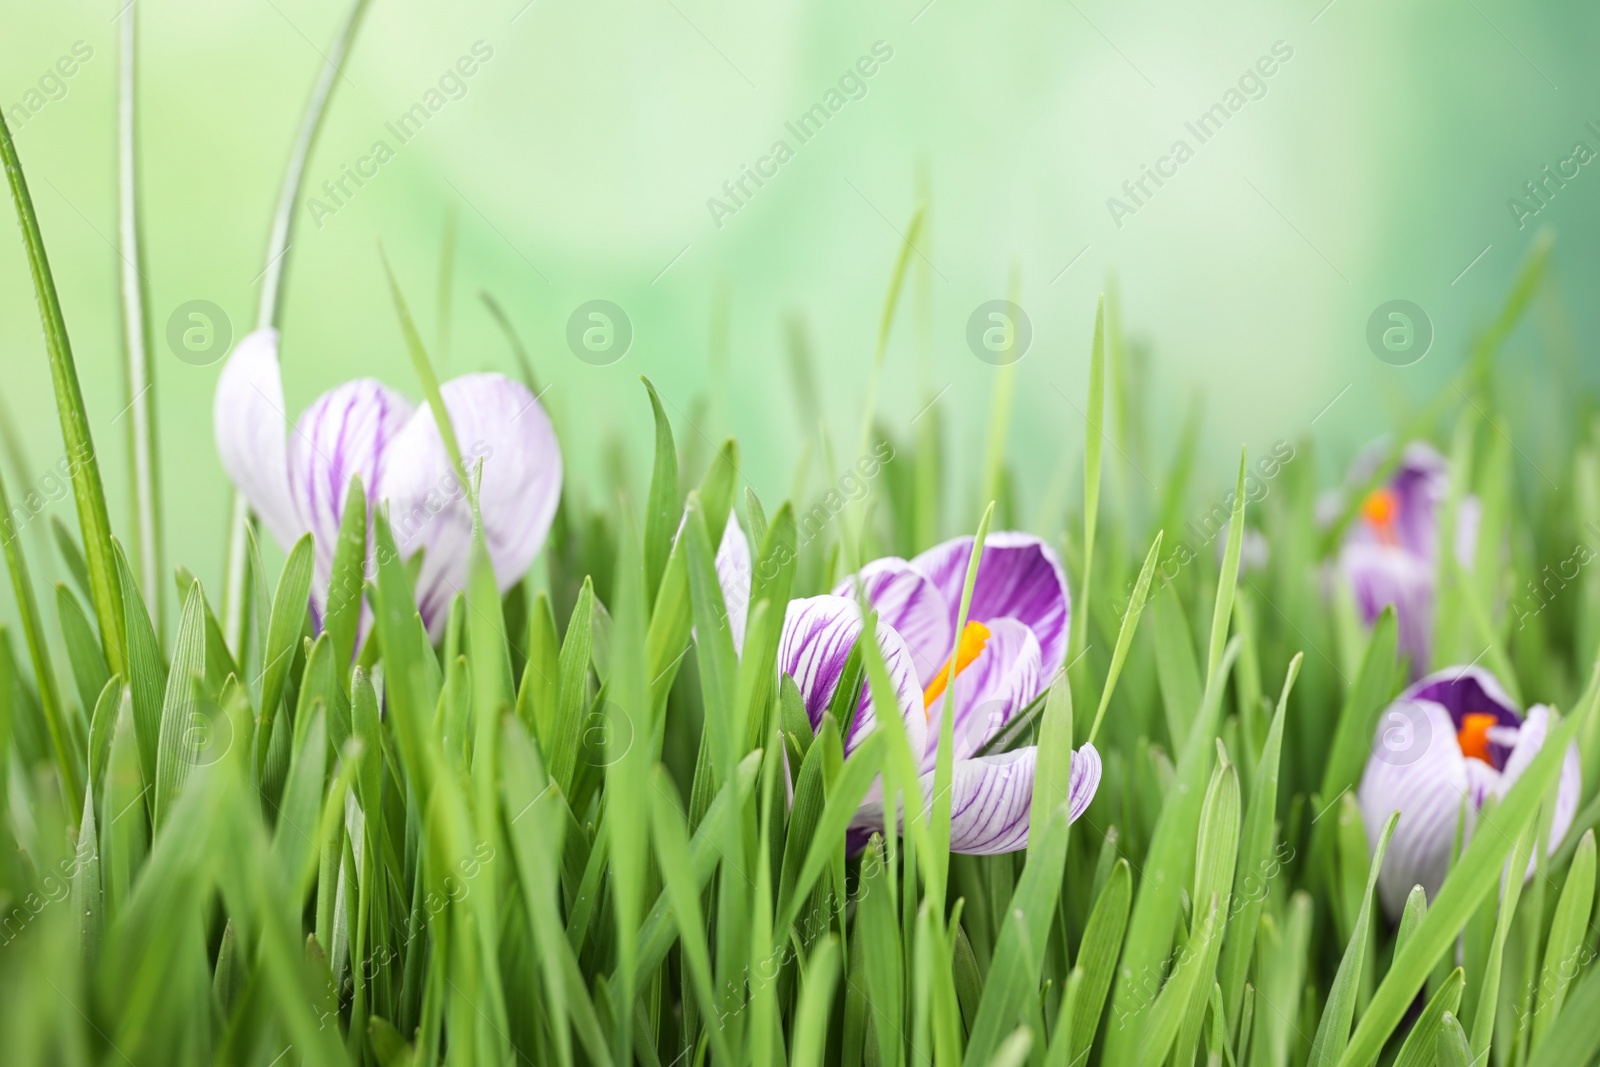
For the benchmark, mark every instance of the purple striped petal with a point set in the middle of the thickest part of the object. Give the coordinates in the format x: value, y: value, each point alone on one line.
x: 344, y: 433
x: 1018, y: 577
x: 990, y: 798
x: 993, y: 688
x: 733, y: 574
x: 499, y: 423
x: 1384, y: 575
x: 907, y: 599
x: 249, y: 423
x: 817, y: 636
x: 1416, y: 768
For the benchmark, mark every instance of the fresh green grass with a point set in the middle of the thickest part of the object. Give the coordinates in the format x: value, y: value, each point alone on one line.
x: 582, y: 830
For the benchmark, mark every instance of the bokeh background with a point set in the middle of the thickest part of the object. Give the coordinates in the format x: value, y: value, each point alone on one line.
x: 578, y: 161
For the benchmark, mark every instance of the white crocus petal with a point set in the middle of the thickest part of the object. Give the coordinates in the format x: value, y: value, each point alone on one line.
x: 733, y: 574
x: 1416, y: 768
x: 499, y: 424
x: 993, y: 688
x: 250, y: 426
x: 818, y: 633
x: 346, y: 432
x: 907, y: 599
x: 991, y: 798
x: 1530, y: 740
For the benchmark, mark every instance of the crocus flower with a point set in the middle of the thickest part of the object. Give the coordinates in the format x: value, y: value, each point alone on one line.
x: 1445, y: 746
x: 297, y: 481
x: 1390, y: 555
x: 1013, y: 645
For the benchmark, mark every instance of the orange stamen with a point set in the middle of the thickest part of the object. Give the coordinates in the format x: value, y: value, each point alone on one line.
x: 1381, y: 509
x: 1474, y: 735
x: 969, y: 648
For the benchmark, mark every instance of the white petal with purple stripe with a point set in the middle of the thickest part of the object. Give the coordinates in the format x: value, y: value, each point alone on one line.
x: 250, y: 425
x: 1018, y: 577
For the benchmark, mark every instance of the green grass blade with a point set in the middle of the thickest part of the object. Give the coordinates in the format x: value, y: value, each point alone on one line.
x: 1339, y: 1009
x: 87, y: 489
x: 1564, y: 949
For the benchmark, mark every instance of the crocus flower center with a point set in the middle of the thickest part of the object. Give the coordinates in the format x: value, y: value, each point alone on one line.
x: 1474, y: 735
x: 1381, y: 509
x: 969, y: 648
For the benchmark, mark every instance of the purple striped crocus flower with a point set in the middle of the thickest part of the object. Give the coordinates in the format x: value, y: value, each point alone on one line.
x: 1390, y: 555
x: 1445, y: 746
x: 296, y: 481
x: 1014, y: 643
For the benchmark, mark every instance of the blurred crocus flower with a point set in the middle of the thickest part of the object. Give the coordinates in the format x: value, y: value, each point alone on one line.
x: 1014, y: 643
x: 1390, y: 554
x: 296, y: 480
x: 1445, y: 746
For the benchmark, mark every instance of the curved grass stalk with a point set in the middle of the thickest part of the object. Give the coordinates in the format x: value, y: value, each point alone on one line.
x: 87, y: 490
x: 267, y: 311
x: 143, y: 458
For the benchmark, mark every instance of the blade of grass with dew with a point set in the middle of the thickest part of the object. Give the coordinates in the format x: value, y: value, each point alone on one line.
x: 1228, y: 579
x: 1094, y: 444
x: 1565, y: 946
x: 287, y: 620
x: 664, y: 510
x: 1125, y: 632
x: 143, y: 452
x: 176, y: 747
x: 44, y: 674
x: 627, y: 771
x: 1216, y: 856
x: 683, y: 890
x: 1340, y: 1007
x: 270, y: 306
x: 1419, y: 1050
x: 816, y: 1000
x: 1255, y: 845
x: 944, y: 759
x: 1010, y: 982
x: 1167, y: 866
x: 347, y: 579
x: 1471, y: 879
x: 1097, y: 955
x: 1488, y: 998
x: 1052, y: 774
x: 1005, y: 387
x: 891, y: 301
x: 89, y: 671
x: 1574, y: 1038
x: 87, y: 489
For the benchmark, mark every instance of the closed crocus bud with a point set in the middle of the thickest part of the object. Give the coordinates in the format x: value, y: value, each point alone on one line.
x: 296, y: 481
x: 1444, y: 747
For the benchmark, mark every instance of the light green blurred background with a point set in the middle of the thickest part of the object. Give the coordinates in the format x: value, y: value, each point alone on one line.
x: 580, y: 159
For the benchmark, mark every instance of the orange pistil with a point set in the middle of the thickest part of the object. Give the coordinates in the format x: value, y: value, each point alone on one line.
x: 1474, y: 735
x: 969, y: 648
x: 1381, y: 509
